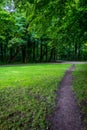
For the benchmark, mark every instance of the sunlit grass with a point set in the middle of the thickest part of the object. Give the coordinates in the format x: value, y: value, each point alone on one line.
x: 27, y: 95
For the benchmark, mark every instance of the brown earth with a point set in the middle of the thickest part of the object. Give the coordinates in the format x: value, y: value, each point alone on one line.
x: 67, y: 113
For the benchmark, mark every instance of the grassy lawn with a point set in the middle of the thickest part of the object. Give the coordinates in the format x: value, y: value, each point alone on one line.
x: 80, y: 87
x: 27, y: 95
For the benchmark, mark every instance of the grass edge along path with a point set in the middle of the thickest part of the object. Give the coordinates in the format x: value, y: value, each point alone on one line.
x: 27, y: 95
x: 80, y: 89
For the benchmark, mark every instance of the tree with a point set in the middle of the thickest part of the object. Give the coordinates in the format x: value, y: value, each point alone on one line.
x: 48, y: 30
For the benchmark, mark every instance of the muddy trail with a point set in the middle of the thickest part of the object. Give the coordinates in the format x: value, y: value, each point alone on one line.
x: 67, y: 114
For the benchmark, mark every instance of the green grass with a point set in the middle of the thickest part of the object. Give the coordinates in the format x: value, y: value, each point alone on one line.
x: 27, y: 95
x: 80, y: 87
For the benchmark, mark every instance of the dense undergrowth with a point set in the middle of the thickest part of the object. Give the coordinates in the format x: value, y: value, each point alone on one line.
x: 80, y: 87
x: 27, y: 95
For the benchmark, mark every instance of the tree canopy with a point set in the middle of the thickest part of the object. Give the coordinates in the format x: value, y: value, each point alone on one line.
x: 42, y: 31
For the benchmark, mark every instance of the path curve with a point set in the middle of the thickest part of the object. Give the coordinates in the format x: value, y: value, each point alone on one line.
x: 75, y: 62
x: 67, y: 114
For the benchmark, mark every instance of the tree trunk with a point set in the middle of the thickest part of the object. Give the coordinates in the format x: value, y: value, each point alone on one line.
x: 79, y: 51
x: 46, y: 53
x: 1, y: 52
x: 51, y: 55
x: 23, y: 54
x: 41, y: 52
x: 5, y: 53
x: 11, y: 53
x: 15, y: 55
x: 37, y: 52
x: 29, y: 50
x: 34, y: 55
x: 75, y: 52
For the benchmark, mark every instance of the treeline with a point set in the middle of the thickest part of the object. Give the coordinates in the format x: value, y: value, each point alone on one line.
x: 43, y: 31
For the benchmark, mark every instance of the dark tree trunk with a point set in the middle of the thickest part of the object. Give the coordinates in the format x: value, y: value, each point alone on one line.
x: 51, y: 55
x: 34, y: 55
x: 41, y: 52
x: 54, y: 55
x: 79, y: 51
x: 23, y: 54
x: 1, y: 52
x: 37, y: 51
x: 11, y: 53
x: 15, y: 55
x: 75, y: 52
x: 46, y: 53
x: 29, y: 50
x: 5, y: 53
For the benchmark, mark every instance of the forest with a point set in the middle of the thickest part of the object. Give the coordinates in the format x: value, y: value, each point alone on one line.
x: 43, y: 31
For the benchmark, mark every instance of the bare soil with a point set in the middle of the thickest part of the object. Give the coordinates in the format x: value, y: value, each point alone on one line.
x: 67, y: 113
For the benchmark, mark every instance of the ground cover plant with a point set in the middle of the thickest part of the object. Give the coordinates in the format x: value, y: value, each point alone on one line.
x: 80, y: 87
x: 27, y: 95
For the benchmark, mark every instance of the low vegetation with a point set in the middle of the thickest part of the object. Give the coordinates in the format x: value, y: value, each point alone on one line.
x: 80, y: 87
x: 27, y: 95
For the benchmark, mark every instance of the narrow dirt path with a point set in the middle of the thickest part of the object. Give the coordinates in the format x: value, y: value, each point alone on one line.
x: 67, y: 114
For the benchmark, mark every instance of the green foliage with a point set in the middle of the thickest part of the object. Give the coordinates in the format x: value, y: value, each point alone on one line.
x: 16, y: 42
x: 27, y: 95
x: 62, y: 23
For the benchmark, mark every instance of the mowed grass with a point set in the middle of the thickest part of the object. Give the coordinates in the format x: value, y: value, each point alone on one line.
x: 80, y: 87
x: 27, y: 95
